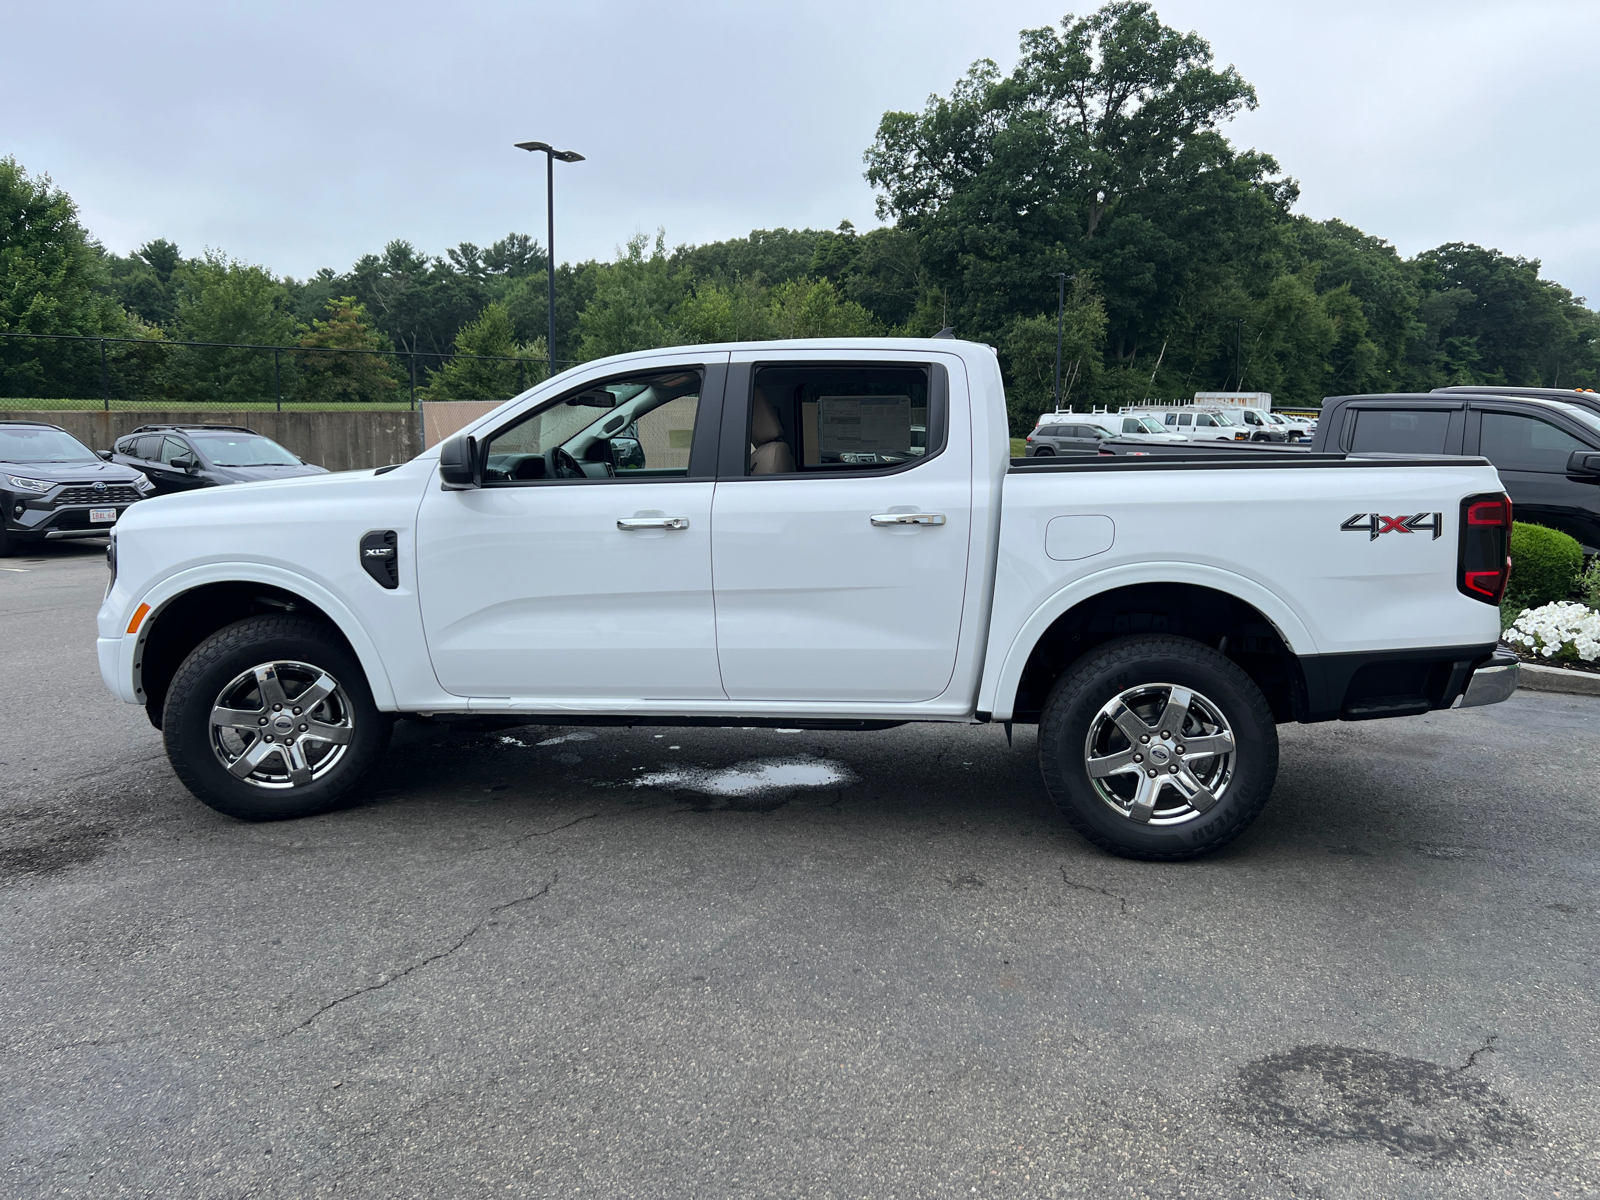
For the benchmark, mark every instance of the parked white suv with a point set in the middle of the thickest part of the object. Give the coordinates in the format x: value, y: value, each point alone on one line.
x: 774, y: 543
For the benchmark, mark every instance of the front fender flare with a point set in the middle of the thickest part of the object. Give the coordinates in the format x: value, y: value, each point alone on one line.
x: 164, y: 591
x: 1000, y: 692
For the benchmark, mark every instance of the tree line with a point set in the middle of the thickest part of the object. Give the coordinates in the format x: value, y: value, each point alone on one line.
x: 1097, y: 163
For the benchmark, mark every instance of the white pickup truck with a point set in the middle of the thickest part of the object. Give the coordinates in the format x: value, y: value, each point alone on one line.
x: 828, y: 534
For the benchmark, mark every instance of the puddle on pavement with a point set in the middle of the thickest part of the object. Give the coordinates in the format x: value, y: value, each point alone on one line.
x: 751, y: 778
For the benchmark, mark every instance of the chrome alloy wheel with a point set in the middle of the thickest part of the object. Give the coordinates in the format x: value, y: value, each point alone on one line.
x: 281, y: 725
x: 1159, y: 754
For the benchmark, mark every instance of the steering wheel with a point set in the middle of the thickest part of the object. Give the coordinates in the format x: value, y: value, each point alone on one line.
x: 564, y: 466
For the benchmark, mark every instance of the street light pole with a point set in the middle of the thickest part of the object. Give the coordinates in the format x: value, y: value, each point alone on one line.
x: 551, y: 154
x: 1061, y: 308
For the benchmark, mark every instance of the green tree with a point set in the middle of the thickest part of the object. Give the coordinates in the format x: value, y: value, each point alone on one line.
x: 1028, y: 348
x: 1100, y: 153
x: 636, y: 301
x: 346, y: 377
x: 221, y: 300
x: 492, y: 365
x: 51, y: 281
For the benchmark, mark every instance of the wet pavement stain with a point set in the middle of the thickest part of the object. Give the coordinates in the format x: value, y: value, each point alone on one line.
x: 42, y: 841
x: 1410, y: 1108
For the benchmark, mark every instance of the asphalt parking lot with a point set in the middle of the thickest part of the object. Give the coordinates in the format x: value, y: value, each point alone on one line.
x: 617, y: 963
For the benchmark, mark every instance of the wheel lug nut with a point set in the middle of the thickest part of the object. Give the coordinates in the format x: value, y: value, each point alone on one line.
x: 303, y: 728
x: 1180, y: 749
x: 1172, y: 770
x: 1165, y: 734
x: 261, y: 721
x: 1152, y: 774
x: 268, y: 738
x: 297, y: 712
x: 1144, y: 737
x: 1138, y: 758
x: 277, y: 708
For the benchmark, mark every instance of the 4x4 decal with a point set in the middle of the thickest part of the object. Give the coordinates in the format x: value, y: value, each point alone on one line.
x: 1376, y: 524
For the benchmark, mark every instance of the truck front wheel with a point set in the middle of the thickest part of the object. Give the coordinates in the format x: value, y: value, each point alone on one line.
x: 1158, y: 748
x: 272, y: 718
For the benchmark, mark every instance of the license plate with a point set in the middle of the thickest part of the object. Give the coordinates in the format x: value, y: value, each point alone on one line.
x: 102, y: 516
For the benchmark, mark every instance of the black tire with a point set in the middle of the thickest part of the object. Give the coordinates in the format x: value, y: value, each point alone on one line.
x: 1125, y: 666
x: 226, y: 657
x: 1044, y: 452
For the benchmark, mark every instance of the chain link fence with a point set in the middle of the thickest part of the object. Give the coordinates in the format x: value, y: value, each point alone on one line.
x: 43, y: 372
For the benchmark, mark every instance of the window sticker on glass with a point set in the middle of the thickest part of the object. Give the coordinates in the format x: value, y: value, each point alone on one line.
x: 863, y: 429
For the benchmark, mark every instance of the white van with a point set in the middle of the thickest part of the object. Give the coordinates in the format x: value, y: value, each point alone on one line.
x: 1194, y: 423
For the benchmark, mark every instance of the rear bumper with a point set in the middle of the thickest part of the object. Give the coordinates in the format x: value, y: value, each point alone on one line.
x: 1492, y: 682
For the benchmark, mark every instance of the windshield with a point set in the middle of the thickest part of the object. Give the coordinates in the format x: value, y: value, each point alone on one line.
x: 29, y: 444
x: 1223, y: 418
x: 1151, y: 425
x: 1275, y: 419
x: 243, y: 450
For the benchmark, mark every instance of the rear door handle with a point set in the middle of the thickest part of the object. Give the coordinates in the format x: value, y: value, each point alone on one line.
x: 626, y: 523
x: 907, y: 518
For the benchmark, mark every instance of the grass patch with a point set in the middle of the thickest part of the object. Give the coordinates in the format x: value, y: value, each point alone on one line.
x: 1019, y: 447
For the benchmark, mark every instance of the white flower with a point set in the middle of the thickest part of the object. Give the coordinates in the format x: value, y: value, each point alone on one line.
x: 1565, y: 628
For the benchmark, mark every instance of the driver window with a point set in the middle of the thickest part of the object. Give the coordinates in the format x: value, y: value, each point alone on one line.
x: 172, y: 448
x: 640, y: 426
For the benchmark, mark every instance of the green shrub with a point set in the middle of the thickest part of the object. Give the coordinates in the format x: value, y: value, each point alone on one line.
x: 1544, y: 564
x: 1589, y: 583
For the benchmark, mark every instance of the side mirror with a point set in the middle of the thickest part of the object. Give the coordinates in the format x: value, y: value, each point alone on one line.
x: 1583, y: 462
x: 105, y: 454
x: 184, y: 464
x: 458, y: 464
x: 627, y: 454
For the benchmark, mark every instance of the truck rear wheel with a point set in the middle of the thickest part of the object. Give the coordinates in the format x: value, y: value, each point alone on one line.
x: 272, y: 718
x: 1158, y: 748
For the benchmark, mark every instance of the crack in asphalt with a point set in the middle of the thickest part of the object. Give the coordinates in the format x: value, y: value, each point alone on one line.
x: 432, y: 958
x: 1486, y: 1048
x: 1089, y: 887
x: 517, y: 841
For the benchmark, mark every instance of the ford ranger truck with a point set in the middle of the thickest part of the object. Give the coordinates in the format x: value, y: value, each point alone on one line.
x: 828, y: 534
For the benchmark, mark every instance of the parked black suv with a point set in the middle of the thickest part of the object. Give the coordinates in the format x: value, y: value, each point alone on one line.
x: 53, y: 486
x: 181, y: 458
x: 1547, y: 450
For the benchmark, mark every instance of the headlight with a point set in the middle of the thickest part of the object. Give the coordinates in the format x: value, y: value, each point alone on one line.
x: 142, y: 484
x: 24, y: 484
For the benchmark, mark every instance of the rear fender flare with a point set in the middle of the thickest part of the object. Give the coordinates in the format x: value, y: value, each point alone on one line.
x: 1001, y: 694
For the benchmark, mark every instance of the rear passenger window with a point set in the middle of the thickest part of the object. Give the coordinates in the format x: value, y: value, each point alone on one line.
x: 1525, y: 443
x: 847, y: 418
x: 1394, y: 431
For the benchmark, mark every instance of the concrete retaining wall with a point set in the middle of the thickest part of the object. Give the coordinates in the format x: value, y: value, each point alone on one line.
x: 441, y: 418
x: 340, y: 441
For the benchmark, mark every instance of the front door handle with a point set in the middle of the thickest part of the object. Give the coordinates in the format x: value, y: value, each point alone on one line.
x: 626, y: 523
x: 908, y: 518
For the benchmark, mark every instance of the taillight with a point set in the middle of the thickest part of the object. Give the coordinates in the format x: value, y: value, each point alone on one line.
x: 1483, y: 562
x: 1030, y: 437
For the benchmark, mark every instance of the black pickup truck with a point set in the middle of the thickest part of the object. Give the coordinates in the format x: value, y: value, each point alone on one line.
x: 1547, y: 450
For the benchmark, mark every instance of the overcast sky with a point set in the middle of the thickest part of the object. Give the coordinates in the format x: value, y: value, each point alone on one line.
x: 302, y: 135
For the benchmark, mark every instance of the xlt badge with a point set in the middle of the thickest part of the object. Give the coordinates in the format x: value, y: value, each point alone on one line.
x: 1375, y: 525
